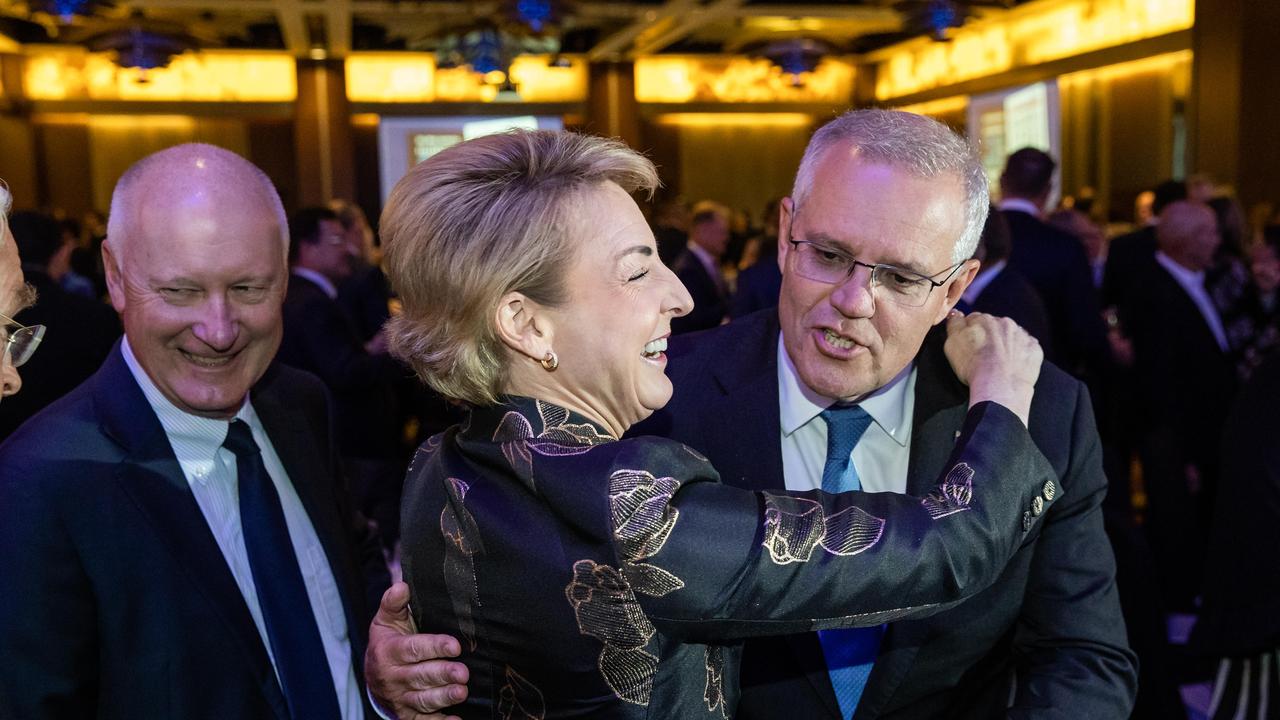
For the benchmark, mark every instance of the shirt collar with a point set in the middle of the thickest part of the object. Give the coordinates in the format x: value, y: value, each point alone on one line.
x: 980, y: 283
x: 195, y: 440
x: 887, y: 405
x: 315, y: 277
x: 1184, y: 276
x: 710, y: 263
x: 1020, y: 205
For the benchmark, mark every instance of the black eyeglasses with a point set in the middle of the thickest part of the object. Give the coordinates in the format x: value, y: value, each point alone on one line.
x: 20, y: 341
x: 833, y: 266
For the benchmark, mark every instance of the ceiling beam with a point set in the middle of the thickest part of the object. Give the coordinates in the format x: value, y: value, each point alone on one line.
x: 448, y: 7
x: 263, y: 6
x: 293, y: 26
x: 339, y: 19
x: 869, y: 13
x: 698, y: 18
x: 612, y: 47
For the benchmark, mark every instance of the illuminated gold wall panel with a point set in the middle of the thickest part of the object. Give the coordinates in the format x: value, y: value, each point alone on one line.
x: 414, y: 78
x: 738, y: 80
x: 391, y: 77
x: 1028, y: 35
x: 225, y: 76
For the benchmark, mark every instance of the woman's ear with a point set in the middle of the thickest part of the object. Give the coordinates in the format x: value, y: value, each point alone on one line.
x: 524, y: 325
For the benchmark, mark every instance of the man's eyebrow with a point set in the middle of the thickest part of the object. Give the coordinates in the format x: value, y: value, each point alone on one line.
x: 837, y: 244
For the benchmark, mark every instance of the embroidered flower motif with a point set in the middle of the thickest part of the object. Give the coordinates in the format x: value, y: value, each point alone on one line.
x: 462, y: 544
x: 425, y: 451
x: 642, y: 522
x: 607, y: 610
x: 794, y: 527
x: 953, y: 496
x: 555, y: 437
x: 519, y: 699
x: 714, y: 692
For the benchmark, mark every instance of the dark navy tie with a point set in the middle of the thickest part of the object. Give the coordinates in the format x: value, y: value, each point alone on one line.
x: 849, y: 653
x: 301, y: 663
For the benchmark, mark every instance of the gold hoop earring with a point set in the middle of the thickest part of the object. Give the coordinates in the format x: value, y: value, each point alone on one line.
x: 550, y: 362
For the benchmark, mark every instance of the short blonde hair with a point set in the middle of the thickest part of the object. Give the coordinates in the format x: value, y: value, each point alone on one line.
x: 481, y: 219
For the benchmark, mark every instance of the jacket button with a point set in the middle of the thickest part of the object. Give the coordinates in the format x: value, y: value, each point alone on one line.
x: 1050, y: 490
x: 1037, y: 505
x: 1026, y: 521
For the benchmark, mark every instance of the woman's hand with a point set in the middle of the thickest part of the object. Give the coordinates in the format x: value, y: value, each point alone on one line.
x: 998, y: 360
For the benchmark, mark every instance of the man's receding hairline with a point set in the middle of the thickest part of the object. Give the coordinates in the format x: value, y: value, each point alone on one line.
x: 176, y: 170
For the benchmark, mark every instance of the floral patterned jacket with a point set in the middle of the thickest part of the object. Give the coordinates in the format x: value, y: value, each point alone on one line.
x: 592, y: 577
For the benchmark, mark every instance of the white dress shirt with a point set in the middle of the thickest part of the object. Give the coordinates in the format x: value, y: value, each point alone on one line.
x: 1020, y: 205
x: 325, y: 283
x: 210, y: 470
x: 1192, y: 283
x: 980, y: 283
x: 881, y: 456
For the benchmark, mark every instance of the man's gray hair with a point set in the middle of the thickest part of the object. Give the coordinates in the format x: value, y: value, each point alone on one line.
x: 167, y: 165
x: 6, y: 202
x: 922, y: 146
x: 480, y: 219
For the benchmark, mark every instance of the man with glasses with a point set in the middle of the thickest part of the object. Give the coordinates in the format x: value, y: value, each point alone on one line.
x: 874, y: 247
x: 17, y: 342
x: 87, y: 328
x: 321, y: 337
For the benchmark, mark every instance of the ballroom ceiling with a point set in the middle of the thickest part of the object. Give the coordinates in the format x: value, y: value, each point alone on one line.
x: 603, y: 31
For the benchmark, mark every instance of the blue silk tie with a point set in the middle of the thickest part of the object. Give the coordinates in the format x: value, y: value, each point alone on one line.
x: 849, y: 653
x: 296, y: 647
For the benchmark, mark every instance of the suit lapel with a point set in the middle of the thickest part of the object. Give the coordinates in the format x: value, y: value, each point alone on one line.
x: 152, y: 477
x: 941, y: 403
x: 747, y: 417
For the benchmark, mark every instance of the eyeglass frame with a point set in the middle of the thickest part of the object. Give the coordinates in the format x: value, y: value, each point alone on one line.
x: 36, y: 332
x: 883, y: 267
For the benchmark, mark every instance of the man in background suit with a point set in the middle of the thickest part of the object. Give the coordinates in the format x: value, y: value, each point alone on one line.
x: 1001, y: 290
x: 323, y: 339
x: 15, y: 296
x: 1130, y: 253
x: 1238, y: 625
x: 699, y: 268
x: 86, y: 329
x: 1185, y: 383
x: 1047, y: 638
x: 174, y: 532
x: 1055, y: 264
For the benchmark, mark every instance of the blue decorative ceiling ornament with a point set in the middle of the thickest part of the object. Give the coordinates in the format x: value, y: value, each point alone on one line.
x: 940, y: 16
x: 537, y: 14
x: 65, y: 10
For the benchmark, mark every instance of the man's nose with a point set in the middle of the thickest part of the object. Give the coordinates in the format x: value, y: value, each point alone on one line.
x: 217, y: 326
x: 10, y: 380
x: 855, y: 296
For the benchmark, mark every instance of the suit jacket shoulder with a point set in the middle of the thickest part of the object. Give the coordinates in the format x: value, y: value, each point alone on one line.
x: 1010, y: 295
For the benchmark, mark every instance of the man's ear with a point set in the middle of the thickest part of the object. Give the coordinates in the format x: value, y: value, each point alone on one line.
x: 524, y: 325
x: 115, y: 279
x: 785, y: 212
x: 959, y: 283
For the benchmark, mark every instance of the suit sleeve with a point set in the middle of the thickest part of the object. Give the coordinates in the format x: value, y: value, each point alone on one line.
x: 1070, y: 643
x: 362, y: 536
x: 714, y: 563
x: 48, y: 658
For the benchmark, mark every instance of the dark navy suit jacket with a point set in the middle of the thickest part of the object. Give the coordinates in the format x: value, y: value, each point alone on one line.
x: 115, y: 600
x: 1047, y: 634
